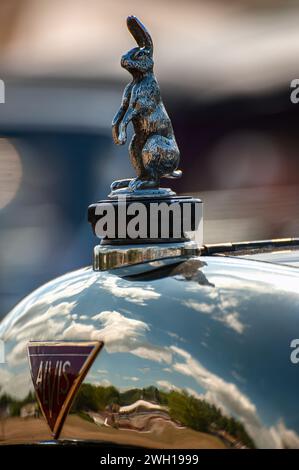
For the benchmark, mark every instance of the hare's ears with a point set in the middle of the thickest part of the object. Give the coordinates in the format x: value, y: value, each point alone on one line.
x: 140, y: 33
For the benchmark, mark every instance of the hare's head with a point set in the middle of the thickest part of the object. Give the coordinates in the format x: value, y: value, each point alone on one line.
x: 139, y: 59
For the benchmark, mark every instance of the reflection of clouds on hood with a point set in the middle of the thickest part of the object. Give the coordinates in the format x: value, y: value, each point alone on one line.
x: 5, y: 376
x: 233, y: 402
x: 238, y: 377
x: 239, y: 273
x: 285, y: 438
x: 131, y: 379
x: 275, y: 437
x: 75, y: 284
x: 222, y: 307
x: 176, y: 336
x: 232, y: 320
x: 119, y: 333
x: 45, y: 326
x: 41, y: 316
x: 37, y: 303
x: 102, y: 371
x: 98, y: 382
x: 200, y: 307
x: 165, y: 385
x: 123, y: 334
x: 221, y: 393
x: 153, y: 353
x: 79, y: 331
x: 15, y: 385
x: 195, y: 394
x: 135, y: 294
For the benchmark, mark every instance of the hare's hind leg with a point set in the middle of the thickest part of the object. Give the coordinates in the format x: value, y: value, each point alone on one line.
x: 143, y: 183
x: 120, y: 184
x: 157, y: 159
x: 144, y: 179
x: 135, y: 151
x: 160, y: 156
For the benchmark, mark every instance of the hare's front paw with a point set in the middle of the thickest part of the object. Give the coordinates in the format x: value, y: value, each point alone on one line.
x: 120, y: 184
x: 115, y: 134
x: 139, y: 183
x: 119, y: 135
x: 122, y: 136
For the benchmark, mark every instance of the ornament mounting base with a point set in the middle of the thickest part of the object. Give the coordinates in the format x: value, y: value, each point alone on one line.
x: 141, y: 193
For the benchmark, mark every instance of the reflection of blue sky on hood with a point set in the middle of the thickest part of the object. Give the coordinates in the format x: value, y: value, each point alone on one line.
x: 228, y: 344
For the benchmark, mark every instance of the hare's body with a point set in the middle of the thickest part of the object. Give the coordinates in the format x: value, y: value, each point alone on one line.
x: 153, y: 150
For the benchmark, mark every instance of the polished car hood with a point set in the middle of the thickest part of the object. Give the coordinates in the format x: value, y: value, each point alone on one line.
x: 213, y: 328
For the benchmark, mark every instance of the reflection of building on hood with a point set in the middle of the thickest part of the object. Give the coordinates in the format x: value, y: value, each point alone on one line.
x: 141, y: 405
x: 29, y: 410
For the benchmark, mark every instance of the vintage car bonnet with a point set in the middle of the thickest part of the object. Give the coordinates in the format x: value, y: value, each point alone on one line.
x: 185, y: 345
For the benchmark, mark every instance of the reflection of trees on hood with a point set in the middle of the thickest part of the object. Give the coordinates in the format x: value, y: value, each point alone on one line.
x: 182, y: 408
x: 13, y: 406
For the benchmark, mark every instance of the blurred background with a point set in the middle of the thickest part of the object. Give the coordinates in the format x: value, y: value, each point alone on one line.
x: 224, y: 67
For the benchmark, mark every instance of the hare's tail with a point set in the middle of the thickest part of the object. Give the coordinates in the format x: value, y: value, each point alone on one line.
x: 175, y: 174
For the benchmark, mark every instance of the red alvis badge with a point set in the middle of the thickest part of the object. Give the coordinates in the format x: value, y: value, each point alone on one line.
x: 57, y: 370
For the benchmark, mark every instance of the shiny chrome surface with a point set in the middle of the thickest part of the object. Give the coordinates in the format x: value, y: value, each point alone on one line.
x: 285, y: 257
x: 279, y: 251
x: 251, y: 247
x: 181, y: 342
x: 111, y: 256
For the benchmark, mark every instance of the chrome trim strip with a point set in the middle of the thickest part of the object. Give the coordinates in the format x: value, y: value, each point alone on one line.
x: 110, y: 256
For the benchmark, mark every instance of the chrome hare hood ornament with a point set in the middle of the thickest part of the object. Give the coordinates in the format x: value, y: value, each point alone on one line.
x: 153, y: 149
x: 141, y: 221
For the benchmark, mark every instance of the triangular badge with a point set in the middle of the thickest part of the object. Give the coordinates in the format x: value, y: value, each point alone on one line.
x: 57, y: 370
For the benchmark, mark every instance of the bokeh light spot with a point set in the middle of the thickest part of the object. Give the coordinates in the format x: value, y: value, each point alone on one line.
x: 10, y: 172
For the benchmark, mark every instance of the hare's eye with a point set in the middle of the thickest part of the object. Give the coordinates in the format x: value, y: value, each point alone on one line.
x: 139, y: 55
